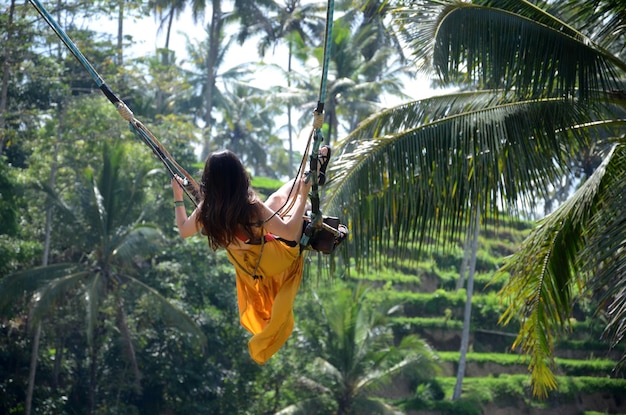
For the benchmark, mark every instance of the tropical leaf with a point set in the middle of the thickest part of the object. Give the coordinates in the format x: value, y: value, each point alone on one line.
x: 55, y: 292
x: 605, y: 252
x: 27, y: 282
x: 529, y: 49
x: 552, y: 93
x: 545, y: 278
x: 171, y: 314
x: 359, y: 353
x: 490, y: 157
x: 140, y: 241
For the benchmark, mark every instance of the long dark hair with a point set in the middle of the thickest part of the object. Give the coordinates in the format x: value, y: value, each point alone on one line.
x: 229, y: 202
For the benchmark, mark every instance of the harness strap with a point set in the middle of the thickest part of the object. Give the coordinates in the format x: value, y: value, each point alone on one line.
x: 267, y: 237
x: 256, y: 267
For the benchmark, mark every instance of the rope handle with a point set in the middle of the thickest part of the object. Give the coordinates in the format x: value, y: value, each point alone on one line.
x: 318, y: 120
x: 190, y: 186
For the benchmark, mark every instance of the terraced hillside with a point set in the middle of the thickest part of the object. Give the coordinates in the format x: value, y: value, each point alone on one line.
x: 497, y: 382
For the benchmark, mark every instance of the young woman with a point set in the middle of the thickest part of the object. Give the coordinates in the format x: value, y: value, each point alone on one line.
x: 262, y: 245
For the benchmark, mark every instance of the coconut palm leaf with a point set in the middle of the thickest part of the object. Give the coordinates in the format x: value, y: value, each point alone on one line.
x: 410, y: 173
x: 359, y: 354
x: 114, y: 239
x: 55, y: 292
x: 140, y: 241
x: 170, y: 313
x: 605, y: 250
x: 374, y: 406
x: 28, y: 282
x: 304, y: 407
x: 505, y: 44
x: 603, y: 19
x: 547, y: 278
x: 492, y: 157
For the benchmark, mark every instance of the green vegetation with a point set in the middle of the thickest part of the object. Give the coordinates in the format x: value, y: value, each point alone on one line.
x: 104, y: 310
x: 510, y: 391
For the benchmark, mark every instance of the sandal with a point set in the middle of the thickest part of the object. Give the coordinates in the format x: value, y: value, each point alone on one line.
x: 323, y: 160
x: 343, y: 234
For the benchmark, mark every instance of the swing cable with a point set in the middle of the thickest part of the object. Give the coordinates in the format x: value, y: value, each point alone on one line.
x: 316, y: 220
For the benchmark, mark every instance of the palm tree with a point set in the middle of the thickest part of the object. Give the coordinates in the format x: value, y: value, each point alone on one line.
x: 4, y: 86
x: 356, y: 354
x: 212, y: 56
x: 295, y: 23
x: 247, y: 128
x: 114, y: 242
x: 356, y: 82
x: 167, y: 11
x: 538, y: 91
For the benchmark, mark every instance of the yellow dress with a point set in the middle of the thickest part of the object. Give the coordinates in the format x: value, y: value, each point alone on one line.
x: 266, y: 302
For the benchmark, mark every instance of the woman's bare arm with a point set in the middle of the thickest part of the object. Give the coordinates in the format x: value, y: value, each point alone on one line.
x: 290, y: 227
x: 187, y: 226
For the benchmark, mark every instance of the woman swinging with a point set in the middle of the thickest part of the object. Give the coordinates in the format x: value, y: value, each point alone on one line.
x: 262, y: 245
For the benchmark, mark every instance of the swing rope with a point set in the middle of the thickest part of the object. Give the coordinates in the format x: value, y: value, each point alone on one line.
x: 316, y: 220
x: 316, y: 137
x: 191, y: 187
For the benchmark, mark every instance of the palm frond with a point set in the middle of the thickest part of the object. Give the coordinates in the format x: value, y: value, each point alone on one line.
x: 510, y: 44
x: 140, y: 241
x: 328, y: 370
x: 55, y: 200
x: 489, y: 157
x: 14, y: 285
x: 605, y: 252
x: 416, y: 113
x: 602, y: 20
x: 57, y: 291
x: 412, y: 352
x: 304, y: 407
x: 170, y: 313
x: 364, y: 405
x: 544, y: 278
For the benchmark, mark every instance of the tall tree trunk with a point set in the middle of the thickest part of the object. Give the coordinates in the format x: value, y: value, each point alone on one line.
x: 466, y: 254
x: 46, y: 251
x: 59, y: 355
x: 45, y: 259
x: 215, y: 36
x: 93, y: 371
x: 128, y: 345
x: 168, y: 33
x: 5, y: 76
x: 468, y: 309
x: 120, y: 34
x: 165, y: 61
x: 34, y: 353
x: 289, y: 126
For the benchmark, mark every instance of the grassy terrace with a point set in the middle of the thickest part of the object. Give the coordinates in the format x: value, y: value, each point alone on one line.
x: 513, y: 392
x: 568, y: 367
x: 422, y: 290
